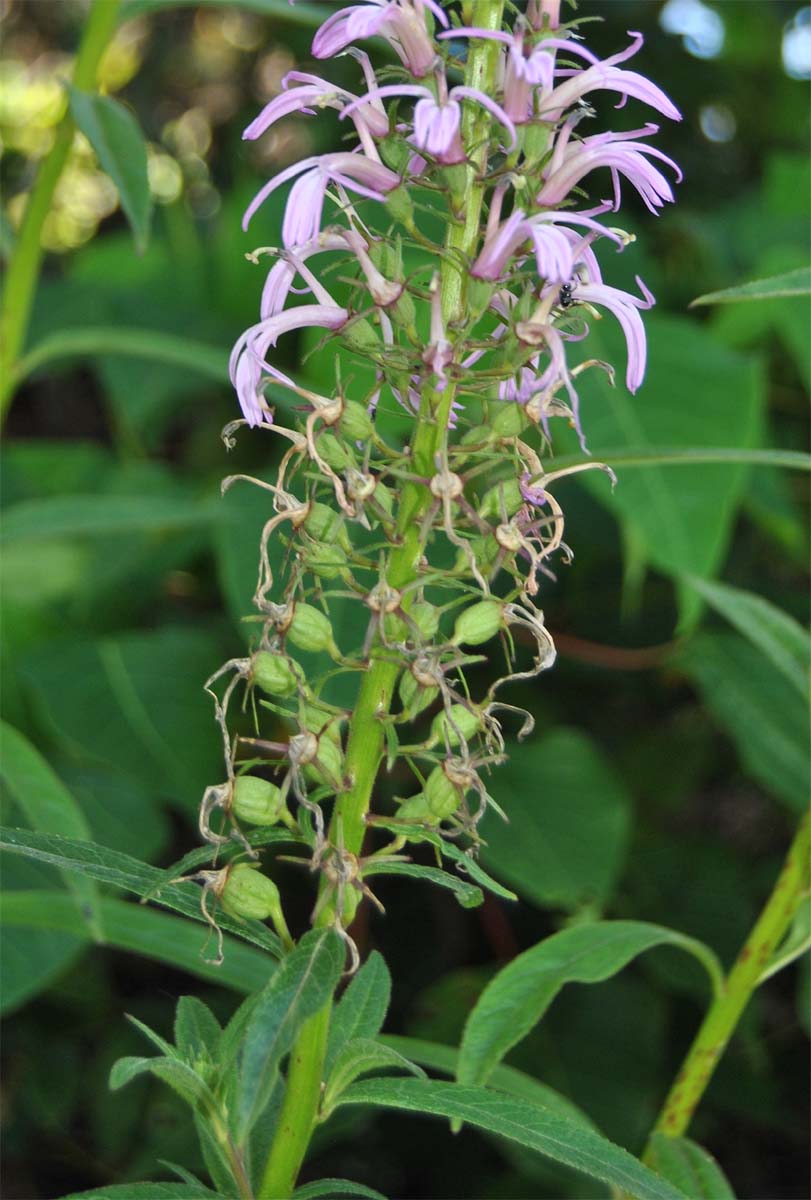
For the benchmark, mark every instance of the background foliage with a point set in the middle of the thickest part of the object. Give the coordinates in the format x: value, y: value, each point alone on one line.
x: 671, y: 757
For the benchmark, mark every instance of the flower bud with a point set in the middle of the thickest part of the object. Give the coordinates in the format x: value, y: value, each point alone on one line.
x: 443, y: 796
x: 356, y: 422
x: 398, y: 202
x: 256, y: 800
x: 447, y: 726
x: 509, y: 420
x: 273, y: 673
x: 478, y: 623
x: 310, y: 629
x: 248, y: 893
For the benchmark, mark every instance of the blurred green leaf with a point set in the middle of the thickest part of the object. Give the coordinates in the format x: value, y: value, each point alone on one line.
x: 31, y: 960
x: 757, y: 707
x: 468, y: 895
x: 362, y: 1009
x: 697, y: 394
x: 93, y: 341
x: 146, y: 1191
x: 119, y: 870
x: 503, y: 1079
x: 115, y: 804
x: 570, y: 816
x: 302, y: 985
x: 310, y: 15
x: 519, y: 995
x: 341, y: 1188
x: 563, y: 1141
x: 100, y: 516
x: 791, y: 283
x: 138, y: 929
x: 116, y: 137
x: 49, y: 807
x: 782, y: 639
x: 692, y: 456
x: 688, y: 1166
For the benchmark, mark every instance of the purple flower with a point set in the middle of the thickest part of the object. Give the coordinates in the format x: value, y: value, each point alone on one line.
x: 571, y: 161
x: 556, y: 252
x: 400, y: 22
x: 314, y: 93
x: 302, y: 218
x: 606, y: 75
x: 247, y: 364
x: 625, y: 308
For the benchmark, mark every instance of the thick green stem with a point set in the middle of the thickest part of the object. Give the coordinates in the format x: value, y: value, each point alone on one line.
x: 724, y: 1014
x: 366, y: 730
x: 26, y: 258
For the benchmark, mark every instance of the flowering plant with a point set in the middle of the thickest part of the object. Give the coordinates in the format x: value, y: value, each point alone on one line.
x: 449, y: 262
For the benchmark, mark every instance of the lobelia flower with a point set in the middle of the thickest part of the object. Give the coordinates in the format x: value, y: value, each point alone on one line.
x: 312, y: 93
x: 571, y: 161
x: 400, y: 22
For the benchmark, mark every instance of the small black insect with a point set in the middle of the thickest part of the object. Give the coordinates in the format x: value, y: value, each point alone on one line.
x: 566, y: 296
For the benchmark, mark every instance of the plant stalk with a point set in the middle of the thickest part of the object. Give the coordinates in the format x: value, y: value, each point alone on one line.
x: 26, y: 257
x: 724, y: 1014
x: 365, y: 742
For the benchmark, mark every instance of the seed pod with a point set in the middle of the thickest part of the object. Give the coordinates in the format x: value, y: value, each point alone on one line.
x: 325, y: 561
x: 248, y: 893
x: 507, y: 493
x: 484, y: 550
x: 360, y: 336
x: 416, y: 809
x: 443, y: 796
x: 384, y: 496
x: 447, y: 727
x: 256, y: 800
x: 310, y: 629
x: 333, y: 452
x: 426, y: 617
x: 322, y: 722
x: 509, y: 420
x: 273, y: 673
x: 415, y: 696
x: 328, y: 766
x: 356, y: 422
x: 324, y: 524
x: 478, y: 623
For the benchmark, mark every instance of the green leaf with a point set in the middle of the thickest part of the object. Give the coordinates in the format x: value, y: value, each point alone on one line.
x: 790, y: 283
x: 102, y: 516
x: 146, y: 1191
x: 503, y: 1079
x: 116, y: 137
x: 623, y: 459
x: 302, y: 985
x: 119, y: 870
x: 363, y: 1056
x: 150, y: 344
x: 197, y: 1031
x: 48, y: 806
x: 561, y: 1140
x: 757, y: 707
x: 467, y: 895
x: 697, y: 394
x: 179, y: 1076
x: 518, y: 996
x: 782, y: 639
x: 469, y: 866
x: 140, y: 930
x: 32, y: 959
x: 343, y: 1189
x: 688, y: 1166
x: 361, y: 1011
x: 309, y: 15
x: 569, y: 825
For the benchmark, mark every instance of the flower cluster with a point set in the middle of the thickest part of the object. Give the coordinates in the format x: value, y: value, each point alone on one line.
x: 462, y: 242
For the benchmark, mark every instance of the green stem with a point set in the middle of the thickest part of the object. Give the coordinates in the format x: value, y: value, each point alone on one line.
x: 26, y: 258
x: 724, y: 1014
x: 365, y: 743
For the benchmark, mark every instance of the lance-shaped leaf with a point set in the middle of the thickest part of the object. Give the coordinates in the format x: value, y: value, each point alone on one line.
x: 563, y: 1141
x: 146, y: 1191
x: 689, y: 1166
x: 362, y: 1009
x: 363, y: 1056
x: 344, y: 1189
x: 467, y: 894
x: 518, y: 996
x: 790, y: 283
x: 301, y: 986
x: 115, y: 135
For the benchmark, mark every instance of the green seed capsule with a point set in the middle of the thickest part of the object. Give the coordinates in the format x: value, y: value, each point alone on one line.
x: 426, y: 617
x: 310, y: 629
x: 443, y: 796
x: 325, y: 525
x: 460, y: 720
x: 248, y: 893
x: 356, y: 422
x: 384, y: 496
x: 361, y: 336
x: 322, y: 722
x: 256, y: 800
x: 510, y: 420
x: 333, y: 452
x: 273, y: 674
x: 414, y: 696
x: 503, y: 498
x: 416, y: 809
x: 329, y: 765
x: 325, y: 561
x: 478, y: 623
